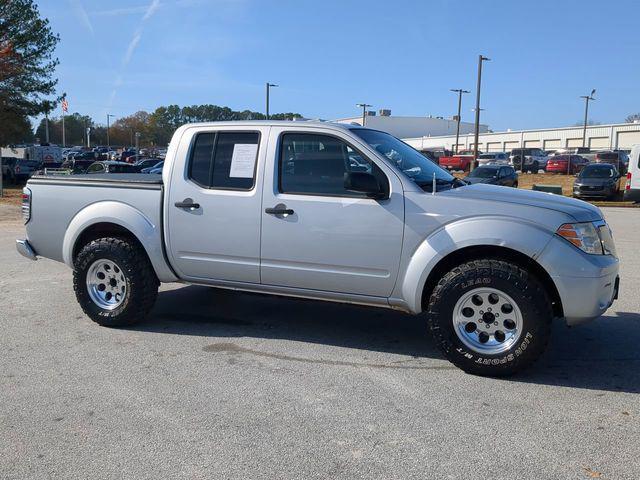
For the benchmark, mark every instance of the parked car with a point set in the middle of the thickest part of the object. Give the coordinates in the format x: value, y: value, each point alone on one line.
x: 146, y: 163
x: 8, y: 174
x: 632, y: 188
x: 273, y: 207
x: 528, y: 159
x: 437, y: 153
x: 129, y: 156
x: 153, y: 167
x: 614, y: 157
x: 597, y: 180
x: 108, y: 166
x: 495, y: 174
x: 77, y: 166
x: 566, y: 164
x: 22, y: 169
x: 87, y: 155
x: 501, y: 158
x: 459, y: 161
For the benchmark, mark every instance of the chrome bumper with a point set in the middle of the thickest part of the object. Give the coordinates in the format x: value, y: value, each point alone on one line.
x: 24, y: 249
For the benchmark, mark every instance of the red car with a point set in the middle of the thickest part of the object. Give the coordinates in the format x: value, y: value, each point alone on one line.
x: 560, y: 164
x: 459, y: 161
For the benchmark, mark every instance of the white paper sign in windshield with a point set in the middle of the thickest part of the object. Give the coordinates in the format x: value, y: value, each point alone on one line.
x: 243, y: 160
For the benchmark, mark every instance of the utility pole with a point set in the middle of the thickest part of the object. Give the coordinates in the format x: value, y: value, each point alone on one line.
x: 459, y: 91
x: 586, y: 115
x: 88, y: 137
x: 477, y: 130
x: 364, y: 111
x: 269, y: 85
x: 137, y: 146
x: 46, y: 125
x: 108, y: 143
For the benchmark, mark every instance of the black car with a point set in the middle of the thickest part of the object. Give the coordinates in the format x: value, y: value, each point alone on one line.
x: 494, y: 174
x: 93, y: 156
x: 77, y: 166
x: 112, y: 167
x: 146, y: 163
x: 597, y: 180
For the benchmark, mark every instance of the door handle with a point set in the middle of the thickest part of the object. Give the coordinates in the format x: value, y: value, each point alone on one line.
x: 279, y: 210
x: 187, y: 203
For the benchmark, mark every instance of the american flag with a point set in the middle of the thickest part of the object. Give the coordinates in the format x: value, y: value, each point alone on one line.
x: 65, y: 105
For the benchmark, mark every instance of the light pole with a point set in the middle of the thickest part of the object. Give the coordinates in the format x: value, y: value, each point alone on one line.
x: 459, y: 91
x: 364, y: 111
x: 88, y: 137
x: 137, y: 145
x: 269, y: 85
x: 477, y: 130
x: 108, y: 143
x: 586, y: 114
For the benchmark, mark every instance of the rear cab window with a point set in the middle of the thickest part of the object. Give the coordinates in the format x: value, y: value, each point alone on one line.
x: 224, y: 160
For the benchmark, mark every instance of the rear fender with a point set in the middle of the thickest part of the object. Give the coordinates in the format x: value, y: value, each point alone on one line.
x: 147, y: 233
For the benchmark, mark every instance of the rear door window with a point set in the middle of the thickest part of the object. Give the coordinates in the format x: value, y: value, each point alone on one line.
x: 224, y: 160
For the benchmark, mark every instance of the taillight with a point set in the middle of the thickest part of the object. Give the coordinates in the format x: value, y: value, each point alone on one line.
x: 26, y: 204
x: 628, y: 186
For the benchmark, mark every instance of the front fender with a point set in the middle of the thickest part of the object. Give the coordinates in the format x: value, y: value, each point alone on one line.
x: 126, y: 216
x: 517, y: 234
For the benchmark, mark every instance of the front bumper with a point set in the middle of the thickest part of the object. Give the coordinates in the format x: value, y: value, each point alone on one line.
x: 587, y: 284
x: 24, y: 248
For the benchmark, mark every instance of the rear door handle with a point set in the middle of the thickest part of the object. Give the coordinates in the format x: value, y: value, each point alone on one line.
x: 279, y: 210
x: 187, y: 203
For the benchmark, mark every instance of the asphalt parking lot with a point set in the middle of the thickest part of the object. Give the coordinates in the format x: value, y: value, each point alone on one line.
x: 219, y: 384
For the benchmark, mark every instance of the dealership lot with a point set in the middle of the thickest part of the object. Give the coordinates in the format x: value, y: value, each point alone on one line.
x: 220, y: 384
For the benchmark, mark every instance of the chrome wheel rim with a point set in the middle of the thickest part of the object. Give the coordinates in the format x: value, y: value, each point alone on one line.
x: 106, y: 284
x: 487, y: 320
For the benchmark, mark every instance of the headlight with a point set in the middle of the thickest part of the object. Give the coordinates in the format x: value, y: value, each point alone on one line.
x: 592, y: 238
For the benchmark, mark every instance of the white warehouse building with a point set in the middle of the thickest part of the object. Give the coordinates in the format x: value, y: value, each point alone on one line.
x: 598, y: 137
x: 405, y: 127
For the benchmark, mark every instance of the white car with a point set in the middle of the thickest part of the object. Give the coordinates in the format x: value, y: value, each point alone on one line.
x: 528, y: 159
x: 500, y: 158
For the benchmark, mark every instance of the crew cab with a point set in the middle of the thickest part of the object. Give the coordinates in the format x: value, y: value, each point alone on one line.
x: 330, y: 212
x: 459, y: 161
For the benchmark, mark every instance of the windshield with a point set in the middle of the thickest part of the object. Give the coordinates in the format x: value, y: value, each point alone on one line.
x: 481, y: 172
x: 488, y: 155
x: 598, y: 172
x: 415, y: 165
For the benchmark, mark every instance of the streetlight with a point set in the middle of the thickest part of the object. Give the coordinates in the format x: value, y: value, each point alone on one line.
x: 364, y: 111
x: 137, y: 145
x: 586, y: 113
x: 108, y: 144
x: 459, y: 91
x: 269, y: 85
x: 477, y: 131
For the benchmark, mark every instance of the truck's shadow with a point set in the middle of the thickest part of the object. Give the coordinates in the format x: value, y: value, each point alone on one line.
x: 602, y: 355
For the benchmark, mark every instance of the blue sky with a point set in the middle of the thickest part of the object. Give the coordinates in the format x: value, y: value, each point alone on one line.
x: 120, y: 56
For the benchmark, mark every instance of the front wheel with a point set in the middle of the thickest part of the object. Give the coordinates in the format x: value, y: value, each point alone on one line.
x: 114, y: 282
x: 490, y: 317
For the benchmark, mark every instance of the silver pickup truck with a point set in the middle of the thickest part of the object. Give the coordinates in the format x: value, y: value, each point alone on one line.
x: 330, y: 212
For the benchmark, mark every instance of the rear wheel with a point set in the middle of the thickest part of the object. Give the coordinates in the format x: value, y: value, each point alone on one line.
x: 114, y: 281
x: 490, y: 317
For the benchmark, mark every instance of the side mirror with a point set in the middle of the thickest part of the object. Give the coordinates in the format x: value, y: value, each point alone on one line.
x: 366, y: 183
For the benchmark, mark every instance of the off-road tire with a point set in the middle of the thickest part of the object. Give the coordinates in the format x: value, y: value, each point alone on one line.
x: 141, y: 280
x: 523, y: 287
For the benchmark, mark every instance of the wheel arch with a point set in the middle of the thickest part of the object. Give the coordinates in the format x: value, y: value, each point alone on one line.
x: 476, y: 252
x: 116, y: 219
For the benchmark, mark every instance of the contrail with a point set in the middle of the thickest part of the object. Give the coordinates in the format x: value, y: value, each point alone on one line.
x: 131, y: 48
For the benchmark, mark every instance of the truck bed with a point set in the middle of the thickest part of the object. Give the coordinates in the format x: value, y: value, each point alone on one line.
x: 62, y: 204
